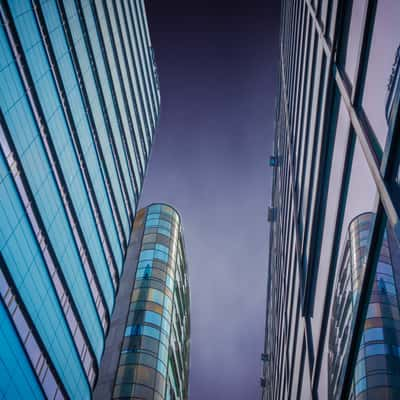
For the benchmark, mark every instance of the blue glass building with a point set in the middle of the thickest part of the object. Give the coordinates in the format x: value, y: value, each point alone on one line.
x: 79, y: 102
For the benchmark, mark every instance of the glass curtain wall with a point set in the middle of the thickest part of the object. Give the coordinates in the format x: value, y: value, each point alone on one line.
x: 336, y: 156
x: 79, y: 104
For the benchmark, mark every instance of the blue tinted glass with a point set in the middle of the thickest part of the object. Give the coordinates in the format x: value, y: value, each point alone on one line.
x: 144, y: 264
x: 361, y: 386
x: 133, y: 330
x: 161, y: 368
x: 152, y: 332
x: 386, y: 278
x: 152, y: 317
x: 386, y: 287
x: 373, y: 311
x: 143, y: 273
x: 166, y: 313
x: 17, y: 379
x: 156, y: 296
x: 151, y: 222
x: 360, y: 370
x: 156, y: 208
x: 165, y: 224
x: 374, y: 349
x: 373, y: 334
x: 164, y: 339
x: 161, y: 255
x: 161, y: 247
x: 164, y: 231
x: 168, y: 304
x: 384, y: 268
x: 163, y: 353
x: 146, y: 255
x: 169, y: 282
x: 165, y: 326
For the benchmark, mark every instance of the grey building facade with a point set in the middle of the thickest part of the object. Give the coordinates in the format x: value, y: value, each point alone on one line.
x: 336, y: 156
x: 79, y: 101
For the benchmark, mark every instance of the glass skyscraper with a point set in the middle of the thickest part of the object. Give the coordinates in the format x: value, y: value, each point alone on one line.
x: 147, y: 352
x: 335, y: 157
x: 79, y: 101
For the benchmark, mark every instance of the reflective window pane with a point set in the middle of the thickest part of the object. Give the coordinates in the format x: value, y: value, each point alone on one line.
x: 352, y: 33
x: 384, y: 44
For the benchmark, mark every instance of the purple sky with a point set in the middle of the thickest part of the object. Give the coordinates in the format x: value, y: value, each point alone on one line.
x: 217, y: 67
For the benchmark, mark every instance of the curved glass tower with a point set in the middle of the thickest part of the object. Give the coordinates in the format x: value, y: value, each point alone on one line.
x: 149, y: 359
x: 79, y: 104
x: 377, y: 372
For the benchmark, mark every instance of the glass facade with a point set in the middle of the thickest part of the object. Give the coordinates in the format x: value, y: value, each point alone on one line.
x: 152, y: 315
x: 336, y: 156
x: 377, y: 372
x: 79, y: 101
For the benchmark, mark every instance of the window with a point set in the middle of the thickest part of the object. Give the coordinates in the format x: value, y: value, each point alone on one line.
x: 152, y: 318
x: 143, y: 392
x: 152, y: 223
x: 150, y: 331
x: 384, y: 44
x: 156, y: 296
x: 163, y: 353
x: 384, y: 268
x: 375, y: 349
x: 161, y: 368
x: 133, y: 330
x: 361, y: 386
x: 121, y: 391
x: 155, y: 208
x: 145, y: 375
x: 373, y: 334
x: 162, y: 247
x: 146, y: 255
x: 164, y: 231
x: 161, y: 255
x: 352, y: 34
x: 169, y: 282
x: 385, y: 287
